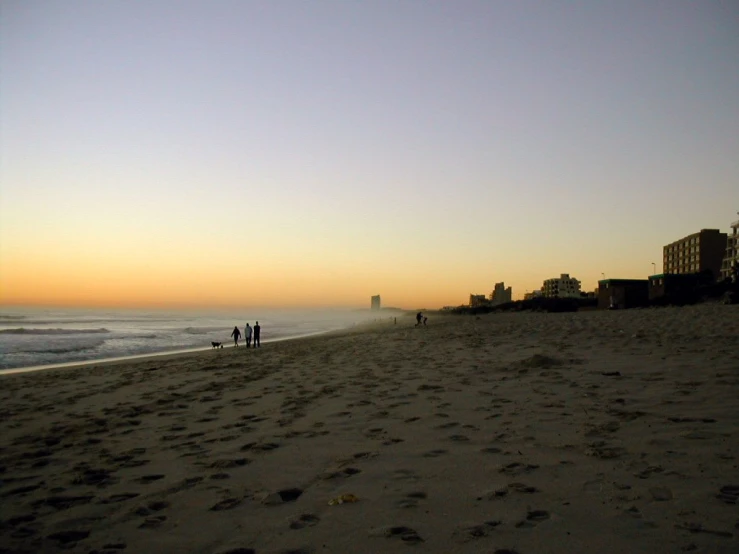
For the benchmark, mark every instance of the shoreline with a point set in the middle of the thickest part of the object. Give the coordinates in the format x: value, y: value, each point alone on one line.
x: 151, y: 355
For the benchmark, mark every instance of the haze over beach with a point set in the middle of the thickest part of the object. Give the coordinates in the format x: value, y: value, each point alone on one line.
x: 304, y: 154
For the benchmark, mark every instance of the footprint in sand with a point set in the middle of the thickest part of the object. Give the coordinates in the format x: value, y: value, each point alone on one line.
x: 533, y: 518
x: 729, y: 494
x: 305, y: 520
x: 405, y: 534
x: 63, y: 502
x: 517, y: 468
x: 67, y: 537
x: 476, y: 531
x: 227, y: 504
x: 280, y: 497
x: 449, y: 425
x: 146, y: 479
x: 435, y: 453
x: 411, y: 499
x: 119, y: 498
x: 153, y: 522
x: 346, y: 472
x: 226, y: 464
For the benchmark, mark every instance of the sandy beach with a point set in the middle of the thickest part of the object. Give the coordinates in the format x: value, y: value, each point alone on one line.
x: 521, y: 432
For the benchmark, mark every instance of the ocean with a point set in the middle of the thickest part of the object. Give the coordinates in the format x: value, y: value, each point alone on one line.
x: 32, y: 337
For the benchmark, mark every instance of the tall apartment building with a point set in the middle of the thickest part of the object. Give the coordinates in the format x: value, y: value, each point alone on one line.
x: 695, y: 253
x: 375, y: 303
x: 563, y: 286
x: 477, y: 300
x: 501, y: 294
x: 731, y: 256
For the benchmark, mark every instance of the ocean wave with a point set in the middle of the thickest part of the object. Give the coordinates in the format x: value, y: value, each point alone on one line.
x: 203, y: 330
x: 62, y: 349
x: 11, y: 317
x: 84, y: 320
x: 24, y: 331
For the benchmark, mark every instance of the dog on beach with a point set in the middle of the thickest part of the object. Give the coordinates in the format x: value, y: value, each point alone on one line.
x: 216, y: 344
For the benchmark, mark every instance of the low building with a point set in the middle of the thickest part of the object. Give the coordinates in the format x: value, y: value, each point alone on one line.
x: 501, y: 294
x: 531, y: 295
x: 563, y: 286
x: 730, y: 263
x: 375, y: 303
x: 478, y: 300
x: 672, y: 284
x: 620, y: 294
x: 696, y: 253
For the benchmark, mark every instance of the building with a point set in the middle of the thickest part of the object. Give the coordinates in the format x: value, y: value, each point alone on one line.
x: 675, y: 284
x: 531, y: 295
x: 375, y: 303
x: 731, y: 255
x: 620, y: 294
x: 478, y: 300
x: 501, y: 294
x: 563, y: 286
x: 701, y: 251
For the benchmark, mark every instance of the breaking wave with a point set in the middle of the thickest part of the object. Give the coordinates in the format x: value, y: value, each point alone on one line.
x: 24, y: 331
x: 202, y: 330
x: 63, y: 349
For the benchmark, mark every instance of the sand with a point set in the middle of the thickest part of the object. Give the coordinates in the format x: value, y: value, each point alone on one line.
x: 582, y: 432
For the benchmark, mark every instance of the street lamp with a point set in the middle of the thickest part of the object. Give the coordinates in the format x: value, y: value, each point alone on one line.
x: 604, y: 276
x: 654, y: 268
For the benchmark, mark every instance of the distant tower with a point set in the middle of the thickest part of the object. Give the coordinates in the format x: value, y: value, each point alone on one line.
x: 375, y: 303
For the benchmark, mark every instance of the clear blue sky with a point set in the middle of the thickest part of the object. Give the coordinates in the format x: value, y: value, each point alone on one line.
x: 319, y: 152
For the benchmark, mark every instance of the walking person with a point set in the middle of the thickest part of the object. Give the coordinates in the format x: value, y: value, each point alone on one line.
x: 257, y: 331
x: 247, y: 335
x: 236, y: 334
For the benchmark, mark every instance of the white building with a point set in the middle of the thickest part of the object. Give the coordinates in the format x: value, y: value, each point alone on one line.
x: 731, y: 258
x: 563, y: 286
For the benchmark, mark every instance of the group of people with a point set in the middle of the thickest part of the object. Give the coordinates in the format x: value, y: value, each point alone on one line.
x: 420, y: 319
x: 249, y: 332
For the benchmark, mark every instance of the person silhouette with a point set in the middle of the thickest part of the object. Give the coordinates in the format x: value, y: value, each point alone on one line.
x: 257, y: 331
x: 236, y: 334
x: 247, y: 335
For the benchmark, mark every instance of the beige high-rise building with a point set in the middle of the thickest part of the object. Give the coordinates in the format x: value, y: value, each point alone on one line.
x: 563, y: 286
x: 375, y: 303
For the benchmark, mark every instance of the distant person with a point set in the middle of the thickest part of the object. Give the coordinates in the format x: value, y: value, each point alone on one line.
x: 425, y: 319
x: 396, y: 321
x: 419, y: 316
x: 247, y: 335
x: 257, y: 332
x: 236, y: 334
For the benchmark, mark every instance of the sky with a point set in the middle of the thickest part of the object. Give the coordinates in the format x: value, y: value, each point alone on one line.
x: 296, y: 153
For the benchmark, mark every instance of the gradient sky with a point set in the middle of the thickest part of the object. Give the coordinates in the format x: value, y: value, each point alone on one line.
x: 300, y: 153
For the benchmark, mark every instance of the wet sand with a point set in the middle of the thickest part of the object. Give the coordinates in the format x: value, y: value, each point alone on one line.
x: 593, y: 431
